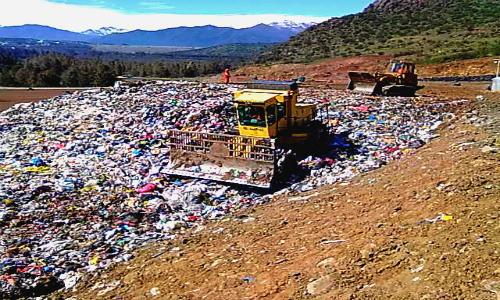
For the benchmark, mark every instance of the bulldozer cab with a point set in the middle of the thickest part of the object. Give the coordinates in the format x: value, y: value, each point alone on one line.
x: 257, y: 114
x: 402, y: 68
x: 269, y: 109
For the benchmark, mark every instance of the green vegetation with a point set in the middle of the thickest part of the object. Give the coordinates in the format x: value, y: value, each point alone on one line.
x: 54, y: 70
x: 430, y: 31
x: 228, y: 52
x: 139, y: 48
x: 25, y: 62
x: 84, y: 50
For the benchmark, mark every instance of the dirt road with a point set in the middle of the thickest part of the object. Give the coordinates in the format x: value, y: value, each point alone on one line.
x: 424, y: 227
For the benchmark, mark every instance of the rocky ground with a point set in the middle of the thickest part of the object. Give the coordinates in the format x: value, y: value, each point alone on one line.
x: 424, y: 227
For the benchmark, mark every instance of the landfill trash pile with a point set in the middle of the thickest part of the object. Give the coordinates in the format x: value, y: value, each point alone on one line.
x: 368, y: 132
x: 81, y: 182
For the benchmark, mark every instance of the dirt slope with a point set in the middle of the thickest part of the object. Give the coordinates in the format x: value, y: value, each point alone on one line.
x: 470, y: 67
x: 335, y: 70
x: 332, y: 70
x: 377, y: 237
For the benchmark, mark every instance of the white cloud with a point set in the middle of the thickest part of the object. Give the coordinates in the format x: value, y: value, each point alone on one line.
x: 79, y: 18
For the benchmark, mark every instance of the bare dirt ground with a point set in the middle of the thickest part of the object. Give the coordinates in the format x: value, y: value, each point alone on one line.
x: 334, y: 71
x: 470, y: 67
x: 11, y: 97
x: 424, y: 227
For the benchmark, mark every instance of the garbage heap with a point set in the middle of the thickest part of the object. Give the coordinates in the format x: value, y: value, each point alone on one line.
x: 368, y: 132
x: 81, y: 185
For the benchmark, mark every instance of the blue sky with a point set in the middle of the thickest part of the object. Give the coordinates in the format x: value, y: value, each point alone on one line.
x: 79, y: 15
x: 316, y: 8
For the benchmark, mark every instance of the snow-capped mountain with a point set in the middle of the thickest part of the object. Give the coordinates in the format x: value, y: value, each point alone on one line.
x: 197, y: 36
x: 103, y: 31
x: 290, y: 25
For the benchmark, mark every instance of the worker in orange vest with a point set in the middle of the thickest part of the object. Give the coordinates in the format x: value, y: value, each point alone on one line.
x: 402, y: 71
x: 227, y: 76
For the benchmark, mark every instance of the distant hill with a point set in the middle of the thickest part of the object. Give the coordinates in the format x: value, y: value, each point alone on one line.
x: 40, y: 32
x: 36, y: 46
x: 225, y: 52
x: 23, y: 48
x: 422, y: 30
x: 199, y: 36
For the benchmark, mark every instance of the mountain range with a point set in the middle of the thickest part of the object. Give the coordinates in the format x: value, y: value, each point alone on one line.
x: 33, y: 31
x: 198, y: 36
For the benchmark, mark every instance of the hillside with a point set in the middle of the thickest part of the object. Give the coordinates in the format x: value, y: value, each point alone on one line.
x: 23, y: 48
x: 424, y: 30
x: 229, y: 51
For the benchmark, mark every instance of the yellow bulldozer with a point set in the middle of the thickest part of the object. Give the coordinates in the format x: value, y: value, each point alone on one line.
x: 272, y: 126
x: 400, y: 80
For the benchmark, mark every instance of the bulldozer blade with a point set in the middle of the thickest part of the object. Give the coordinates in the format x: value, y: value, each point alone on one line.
x: 227, y: 158
x: 399, y: 90
x: 362, y: 82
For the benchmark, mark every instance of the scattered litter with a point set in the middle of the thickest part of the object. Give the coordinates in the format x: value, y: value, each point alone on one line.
x: 333, y: 242
x: 303, y: 198
x: 155, y: 291
x: 281, y: 261
x: 447, y: 218
x: 440, y: 217
x: 416, y: 270
x: 488, y: 149
x: 492, y: 286
x: 368, y: 286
